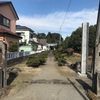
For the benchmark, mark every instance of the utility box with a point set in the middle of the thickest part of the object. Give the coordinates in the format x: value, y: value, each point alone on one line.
x: 3, y: 64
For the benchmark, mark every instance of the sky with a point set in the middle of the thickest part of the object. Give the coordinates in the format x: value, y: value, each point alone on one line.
x: 59, y: 16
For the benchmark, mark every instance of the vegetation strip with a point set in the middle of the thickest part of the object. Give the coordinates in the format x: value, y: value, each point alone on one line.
x: 36, y: 60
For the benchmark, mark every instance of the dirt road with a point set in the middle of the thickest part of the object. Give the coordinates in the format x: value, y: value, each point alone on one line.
x: 49, y: 84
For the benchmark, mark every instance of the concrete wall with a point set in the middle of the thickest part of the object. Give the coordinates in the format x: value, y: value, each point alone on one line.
x: 15, y: 61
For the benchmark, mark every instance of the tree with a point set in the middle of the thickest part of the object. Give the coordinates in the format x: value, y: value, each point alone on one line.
x: 53, y: 37
x: 92, y: 32
x: 64, y: 43
x: 41, y: 36
x: 49, y: 37
x: 13, y: 47
x: 75, y: 40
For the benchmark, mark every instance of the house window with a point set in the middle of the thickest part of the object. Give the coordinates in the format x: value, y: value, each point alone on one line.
x: 19, y: 34
x: 6, y: 22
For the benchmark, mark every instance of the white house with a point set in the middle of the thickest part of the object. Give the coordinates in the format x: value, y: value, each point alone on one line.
x: 26, y: 33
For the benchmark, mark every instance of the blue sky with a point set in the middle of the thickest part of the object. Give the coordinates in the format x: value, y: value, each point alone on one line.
x: 47, y: 15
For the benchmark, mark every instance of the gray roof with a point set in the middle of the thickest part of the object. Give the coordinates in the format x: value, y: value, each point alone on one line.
x: 19, y: 27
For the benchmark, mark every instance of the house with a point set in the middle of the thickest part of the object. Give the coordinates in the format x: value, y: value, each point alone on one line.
x: 26, y: 33
x: 42, y: 44
x: 8, y: 18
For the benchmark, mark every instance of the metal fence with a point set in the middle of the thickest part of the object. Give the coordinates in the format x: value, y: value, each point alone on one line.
x: 12, y: 55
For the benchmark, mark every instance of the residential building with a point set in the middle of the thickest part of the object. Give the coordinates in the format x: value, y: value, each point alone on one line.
x: 8, y: 18
x: 42, y: 44
x: 26, y: 33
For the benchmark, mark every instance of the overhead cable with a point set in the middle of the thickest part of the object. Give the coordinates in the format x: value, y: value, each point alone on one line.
x: 65, y: 15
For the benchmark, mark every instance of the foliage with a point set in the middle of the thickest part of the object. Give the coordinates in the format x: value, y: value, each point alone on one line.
x: 70, y: 51
x: 75, y: 40
x: 41, y: 36
x: 60, y: 58
x: 61, y: 61
x: 92, y: 32
x: 34, y: 47
x: 36, y: 60
x: 53, y: 37
x: 13, y: 47
x: 64, y: 44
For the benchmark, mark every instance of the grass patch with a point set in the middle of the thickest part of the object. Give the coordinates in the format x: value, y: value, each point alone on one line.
x: 73, y: 59
x: 26, y: 73
x: 66, y: 71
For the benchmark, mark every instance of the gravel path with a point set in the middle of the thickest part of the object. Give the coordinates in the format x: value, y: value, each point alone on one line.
x: 50, y: 85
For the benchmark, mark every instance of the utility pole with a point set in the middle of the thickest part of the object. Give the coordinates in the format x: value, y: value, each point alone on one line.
x: 96, y: 58
x: 84, y: 54
x: 84, y: 57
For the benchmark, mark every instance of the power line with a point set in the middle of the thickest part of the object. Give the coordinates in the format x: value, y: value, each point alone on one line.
x: 65, y: 15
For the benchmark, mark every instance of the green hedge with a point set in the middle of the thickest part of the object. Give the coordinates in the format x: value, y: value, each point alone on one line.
x: 36, y: 60
x: 60, y: 58
x: 33, y: 62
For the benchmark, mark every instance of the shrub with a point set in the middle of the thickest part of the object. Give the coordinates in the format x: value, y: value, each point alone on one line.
x: 60, y: 58
x: 33, y: 62
x: 42, y: 60
x: 69, y: 51
x: 37, y: 60
x: 13, y: 47
x: 61, y: 61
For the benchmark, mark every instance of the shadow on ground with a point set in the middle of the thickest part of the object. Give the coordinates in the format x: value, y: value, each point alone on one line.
x: 84, y: 84
x: 11, y: 78
x: 77, y: 89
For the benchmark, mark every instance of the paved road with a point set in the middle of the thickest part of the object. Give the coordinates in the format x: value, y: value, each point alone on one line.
x: 50, y: 85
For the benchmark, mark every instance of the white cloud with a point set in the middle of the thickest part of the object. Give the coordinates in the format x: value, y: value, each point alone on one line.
x: 52, y: 22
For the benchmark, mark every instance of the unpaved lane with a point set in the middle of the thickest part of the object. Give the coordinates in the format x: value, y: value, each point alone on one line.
x: 49, y: 85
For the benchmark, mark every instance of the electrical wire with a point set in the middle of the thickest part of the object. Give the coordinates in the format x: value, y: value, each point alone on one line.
x: 65, y: 15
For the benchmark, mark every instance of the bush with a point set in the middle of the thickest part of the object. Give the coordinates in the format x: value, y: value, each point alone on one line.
x: 13, y: 47
x: 60, y: 58
x: 69, y: 51
x: 33, y: 62
x: 37, y: 60
x: 61, y: 61
x: 42, y: 60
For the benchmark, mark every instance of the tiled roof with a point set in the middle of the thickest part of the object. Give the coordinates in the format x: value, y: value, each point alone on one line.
x: 23, y: 27
x: 3, y: 31
x: 9, y: 2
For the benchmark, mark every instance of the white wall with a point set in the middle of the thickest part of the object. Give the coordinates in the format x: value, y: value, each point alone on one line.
x: 45, y: 48
x: 25, y: 36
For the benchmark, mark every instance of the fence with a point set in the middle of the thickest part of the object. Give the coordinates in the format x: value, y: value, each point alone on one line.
x: 12, y: 55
